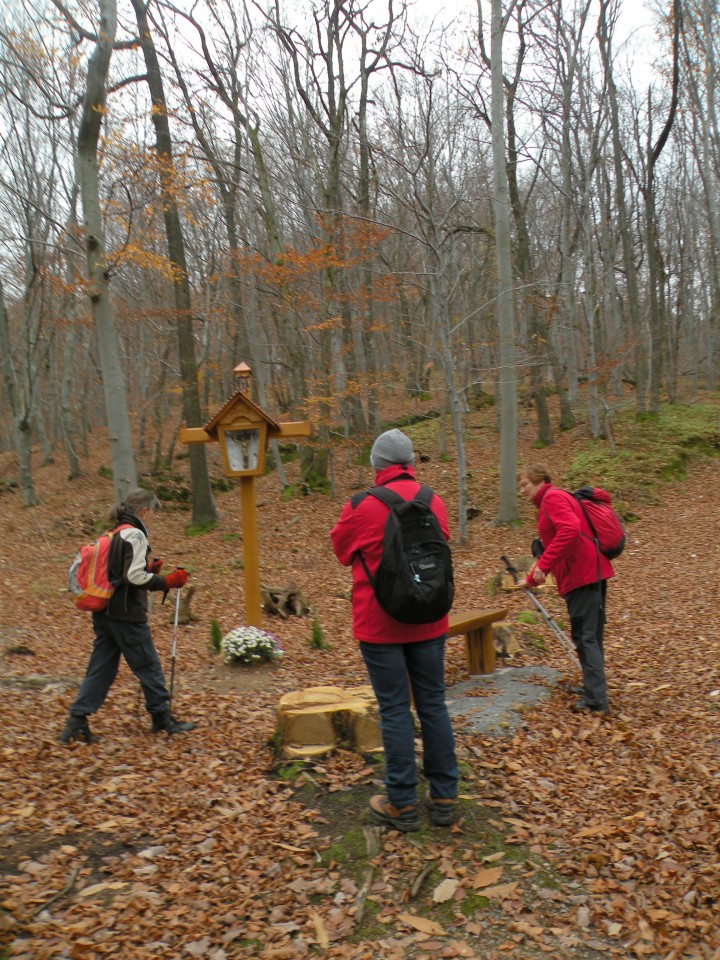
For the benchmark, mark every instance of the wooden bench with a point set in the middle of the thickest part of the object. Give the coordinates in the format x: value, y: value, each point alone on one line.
x: 476, y: 626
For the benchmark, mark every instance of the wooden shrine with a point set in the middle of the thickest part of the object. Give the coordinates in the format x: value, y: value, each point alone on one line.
x: 243, y: 430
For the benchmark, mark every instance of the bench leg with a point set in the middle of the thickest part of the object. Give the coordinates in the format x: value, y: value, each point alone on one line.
x: 480, y: 650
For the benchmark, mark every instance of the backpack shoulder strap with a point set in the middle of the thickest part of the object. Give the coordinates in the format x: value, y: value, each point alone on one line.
x: 589, y: 521
x: 581, y: 496
x: 121, y: 526
x: 389, y: 497
x: 425, y: 494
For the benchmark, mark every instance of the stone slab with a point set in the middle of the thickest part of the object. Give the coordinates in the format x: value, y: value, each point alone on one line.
x: 494, y: 704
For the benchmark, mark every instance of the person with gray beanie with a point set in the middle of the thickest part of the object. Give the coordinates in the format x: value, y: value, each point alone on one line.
x: 405, y: 661
x: 390, y: 448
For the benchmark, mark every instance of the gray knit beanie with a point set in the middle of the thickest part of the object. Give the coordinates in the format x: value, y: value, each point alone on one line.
x: 392, y: 447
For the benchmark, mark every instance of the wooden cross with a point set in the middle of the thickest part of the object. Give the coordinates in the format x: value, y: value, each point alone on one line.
x: 243, y: 431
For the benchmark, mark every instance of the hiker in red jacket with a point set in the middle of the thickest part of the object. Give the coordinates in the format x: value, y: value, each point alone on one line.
x: 400, y: 657
x: 122, y: 629
x: 581, y: 572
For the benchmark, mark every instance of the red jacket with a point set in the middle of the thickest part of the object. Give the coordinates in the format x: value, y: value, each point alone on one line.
x: 361, y: 530
x: 570, y: 553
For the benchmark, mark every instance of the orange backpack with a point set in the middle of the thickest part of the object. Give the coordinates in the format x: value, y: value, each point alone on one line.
x: 88, y: 576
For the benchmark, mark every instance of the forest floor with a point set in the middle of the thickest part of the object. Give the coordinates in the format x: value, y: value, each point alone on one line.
x: 580, y: 836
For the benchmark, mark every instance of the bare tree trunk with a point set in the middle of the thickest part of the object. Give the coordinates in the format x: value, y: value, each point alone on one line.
x: 536, y: 334
x: 203, y: 505
x: 507, y: 375
x: 93, y: 111
x: 70, y: 346
x: 591, y: 308
x: 605, y: 32
x: 653, y: 250
x: 610, y: 295
x: 701, y: 31
x: 21, y: 415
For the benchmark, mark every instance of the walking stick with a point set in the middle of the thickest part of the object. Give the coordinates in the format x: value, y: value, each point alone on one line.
x: 149, y: 615
x: 173, y: 654
x: 560, y: 634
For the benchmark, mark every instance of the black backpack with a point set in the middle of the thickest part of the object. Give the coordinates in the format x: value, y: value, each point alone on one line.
x: 414, y: 582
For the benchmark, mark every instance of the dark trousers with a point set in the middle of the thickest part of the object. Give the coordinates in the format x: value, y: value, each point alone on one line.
x: 586, y: 607
x: 113, y: 639
x: 394, y: 669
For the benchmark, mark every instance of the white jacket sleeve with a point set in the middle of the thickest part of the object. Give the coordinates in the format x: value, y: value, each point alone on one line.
x: 136, y: 571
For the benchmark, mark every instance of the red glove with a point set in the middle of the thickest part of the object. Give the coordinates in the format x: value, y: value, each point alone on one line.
x: 178, y: 578
x: 155, y: 565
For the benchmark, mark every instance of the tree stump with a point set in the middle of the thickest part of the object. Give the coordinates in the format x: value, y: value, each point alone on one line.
x: 284, y: 601
x: 185, y: 615
x: 506, y: 641
x: 316, y: 720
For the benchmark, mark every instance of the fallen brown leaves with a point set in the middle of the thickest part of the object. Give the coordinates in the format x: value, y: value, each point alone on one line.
x: 141, y: 847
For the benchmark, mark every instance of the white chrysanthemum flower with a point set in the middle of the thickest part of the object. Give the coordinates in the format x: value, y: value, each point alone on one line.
x: 250, y: 645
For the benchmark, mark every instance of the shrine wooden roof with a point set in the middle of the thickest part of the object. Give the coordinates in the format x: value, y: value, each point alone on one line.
x: 239, y: 398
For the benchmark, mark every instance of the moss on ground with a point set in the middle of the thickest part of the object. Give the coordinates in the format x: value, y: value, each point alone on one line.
x: 648, y: 452
x: 343, y: 828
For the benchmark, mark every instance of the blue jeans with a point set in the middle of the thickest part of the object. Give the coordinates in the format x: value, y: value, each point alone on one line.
x: 113, y: 639
x: 396, y: 669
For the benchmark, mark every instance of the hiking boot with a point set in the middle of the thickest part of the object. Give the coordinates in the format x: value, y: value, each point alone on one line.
x: 76, y: 728
x: 167, y: 722
x: 442, y: 812
x: 583, y: 706
x: 404, y: 819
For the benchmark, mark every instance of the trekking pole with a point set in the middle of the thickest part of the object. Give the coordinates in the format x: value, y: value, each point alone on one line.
x: 560, y: 634
x: 173, y: 653
x: 149, y: 616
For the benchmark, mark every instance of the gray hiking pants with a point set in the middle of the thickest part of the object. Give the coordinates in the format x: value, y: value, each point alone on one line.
x: 113, y: 639
x: 586, y: 607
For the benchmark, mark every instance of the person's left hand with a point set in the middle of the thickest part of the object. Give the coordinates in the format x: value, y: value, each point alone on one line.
x: 538, y: 575
x: 155, y: 565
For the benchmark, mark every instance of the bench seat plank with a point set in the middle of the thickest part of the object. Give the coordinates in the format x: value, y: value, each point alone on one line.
x: 476, y: 626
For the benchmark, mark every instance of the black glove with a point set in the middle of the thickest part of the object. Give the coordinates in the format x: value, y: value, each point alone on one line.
x: 537, y: 548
